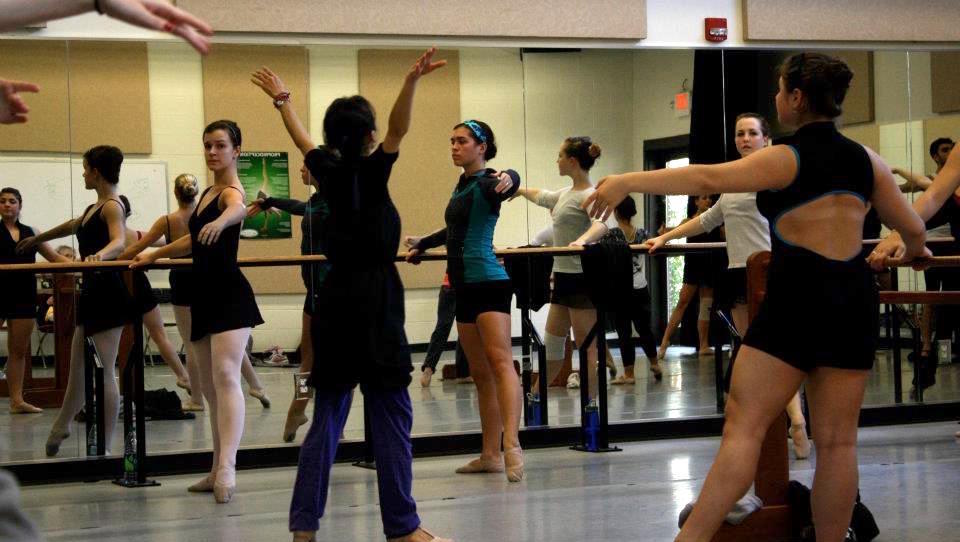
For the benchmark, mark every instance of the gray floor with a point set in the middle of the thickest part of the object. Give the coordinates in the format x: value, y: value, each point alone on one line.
x: 686, y: 390
x: 910, y: 479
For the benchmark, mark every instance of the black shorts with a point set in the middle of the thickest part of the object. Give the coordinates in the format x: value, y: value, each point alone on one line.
x: 732, y: 289
x: 18, y: 310
x: 19, y: 299
x: 571, y: 290
x: 818, y: 313
x: 476, y: 298
x: 143, y: 293
x: 701, y: 270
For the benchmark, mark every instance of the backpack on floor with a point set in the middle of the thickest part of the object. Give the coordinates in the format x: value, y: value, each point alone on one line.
x: 862, y: 523
x: 164, y: 404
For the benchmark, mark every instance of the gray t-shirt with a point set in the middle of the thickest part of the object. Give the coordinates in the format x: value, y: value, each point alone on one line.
x: 570, y: 221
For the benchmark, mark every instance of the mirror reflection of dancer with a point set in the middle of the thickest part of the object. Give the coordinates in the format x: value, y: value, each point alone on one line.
x: 18, y: 305
x: 314, y: 212
x: 483, y: 294
x: 223, y: 308
x: 105, y: 306
x: 357, y: 329
x: 699, y: 276
x: 747, y: 232
x: 817, y: 175
x: 570, y: 303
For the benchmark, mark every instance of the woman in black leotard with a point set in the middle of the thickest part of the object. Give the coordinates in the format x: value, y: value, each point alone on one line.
x: 818, y: 286
x: 18, y: 305
x: 104, y: 306
x: 223, y: 309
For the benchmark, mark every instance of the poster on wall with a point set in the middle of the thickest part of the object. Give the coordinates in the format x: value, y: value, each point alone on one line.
x: 265, y: 174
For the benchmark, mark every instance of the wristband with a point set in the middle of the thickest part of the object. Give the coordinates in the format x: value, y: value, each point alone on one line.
x: 281, y: 99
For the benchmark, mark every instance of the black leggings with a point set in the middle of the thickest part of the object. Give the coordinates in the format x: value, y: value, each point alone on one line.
x: 639, y: 316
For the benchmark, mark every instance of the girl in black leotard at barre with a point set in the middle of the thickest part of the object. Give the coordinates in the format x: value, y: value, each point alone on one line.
x: 223, y: 308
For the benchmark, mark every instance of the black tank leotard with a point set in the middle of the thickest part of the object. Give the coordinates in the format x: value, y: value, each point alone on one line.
x: 223, y: 299
x: 181, y: 279
x: 19, y: 299
x: 818, y: 311
x: 105, y: 303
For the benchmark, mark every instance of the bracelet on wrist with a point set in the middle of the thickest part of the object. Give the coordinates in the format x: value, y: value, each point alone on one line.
x: 280, y: 99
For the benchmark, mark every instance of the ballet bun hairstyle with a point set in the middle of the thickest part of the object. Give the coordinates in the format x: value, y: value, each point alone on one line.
x: 13, y: 192
x: 584, y: 150
x: 823, y: 79
x: 228, y: 126
x: 627, y: 209
x: 106, y: 160
x: 481, y: 133
x: 185, y: 188
x: 764, y: 125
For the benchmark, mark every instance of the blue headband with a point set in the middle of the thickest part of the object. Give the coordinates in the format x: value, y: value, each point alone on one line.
x: 476, y: 129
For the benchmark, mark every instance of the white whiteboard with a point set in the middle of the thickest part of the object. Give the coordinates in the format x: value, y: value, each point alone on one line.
x: 53, y: 190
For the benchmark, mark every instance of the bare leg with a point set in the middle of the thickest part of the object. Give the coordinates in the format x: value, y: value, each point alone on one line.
x: 18, y: 352
x: 687, y: 291
x: 741, y: 318
x: 835, y: 395
x: 226, y: 351
x: 798, y: 427
x: 182, y: 316
x: 491, y: 421
x: 583, y: 320
x: 494, y: 329
x: 762, y: 385
x: 296, y: 414
x: 154, y: 324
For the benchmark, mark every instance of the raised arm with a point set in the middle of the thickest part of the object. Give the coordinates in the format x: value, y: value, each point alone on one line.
x: 149, y: 238
x: 399, y: 123
x: 150, y: 14
x: 274, y: 87
x: 770, y: 168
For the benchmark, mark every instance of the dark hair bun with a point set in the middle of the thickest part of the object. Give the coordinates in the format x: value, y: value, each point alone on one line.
x: 583, y: 150
x: 594, y: 150
x: 823, y: 79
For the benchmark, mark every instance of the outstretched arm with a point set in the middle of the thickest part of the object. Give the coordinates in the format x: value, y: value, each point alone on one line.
x: 399, y: 123
x: 770, y: 168
x: 274, y: 87
x: 148, y: 240
x: 67, y: 228
x: 150, y: 14
x: 176, y: 249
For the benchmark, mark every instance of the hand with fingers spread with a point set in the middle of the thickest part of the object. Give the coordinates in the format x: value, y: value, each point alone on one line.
x: 610, y: 191
x: 269, y: 82
x: 425, y: 65
x: 13, y: 109
x: 161, y: 16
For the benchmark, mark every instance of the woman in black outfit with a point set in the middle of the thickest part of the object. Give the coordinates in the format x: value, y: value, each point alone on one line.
x: 818, y: 284
x: 18, y: 304
x: 223, y: 308
x: 104, y: 306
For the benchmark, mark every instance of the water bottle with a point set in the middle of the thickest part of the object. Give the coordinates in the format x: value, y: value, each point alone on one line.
x: 533, y: 404
x: 592, y: 417
x: 130, y: 456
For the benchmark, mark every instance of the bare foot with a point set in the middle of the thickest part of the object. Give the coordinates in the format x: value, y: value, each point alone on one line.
x: 420, y: 535
x: 24, y: 408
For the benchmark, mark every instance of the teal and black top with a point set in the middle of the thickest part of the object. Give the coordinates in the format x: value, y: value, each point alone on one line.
x: 471, y: 218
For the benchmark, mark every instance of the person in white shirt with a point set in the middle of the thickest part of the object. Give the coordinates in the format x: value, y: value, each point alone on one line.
x: 570, y: 303
x: 747, y: 232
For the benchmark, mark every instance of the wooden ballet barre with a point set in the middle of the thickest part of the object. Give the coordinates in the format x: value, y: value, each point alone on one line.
x: 919, y: 298
x: 671, y: 249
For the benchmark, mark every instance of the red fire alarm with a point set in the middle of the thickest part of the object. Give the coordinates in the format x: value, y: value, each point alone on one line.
x: 715, y: 29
